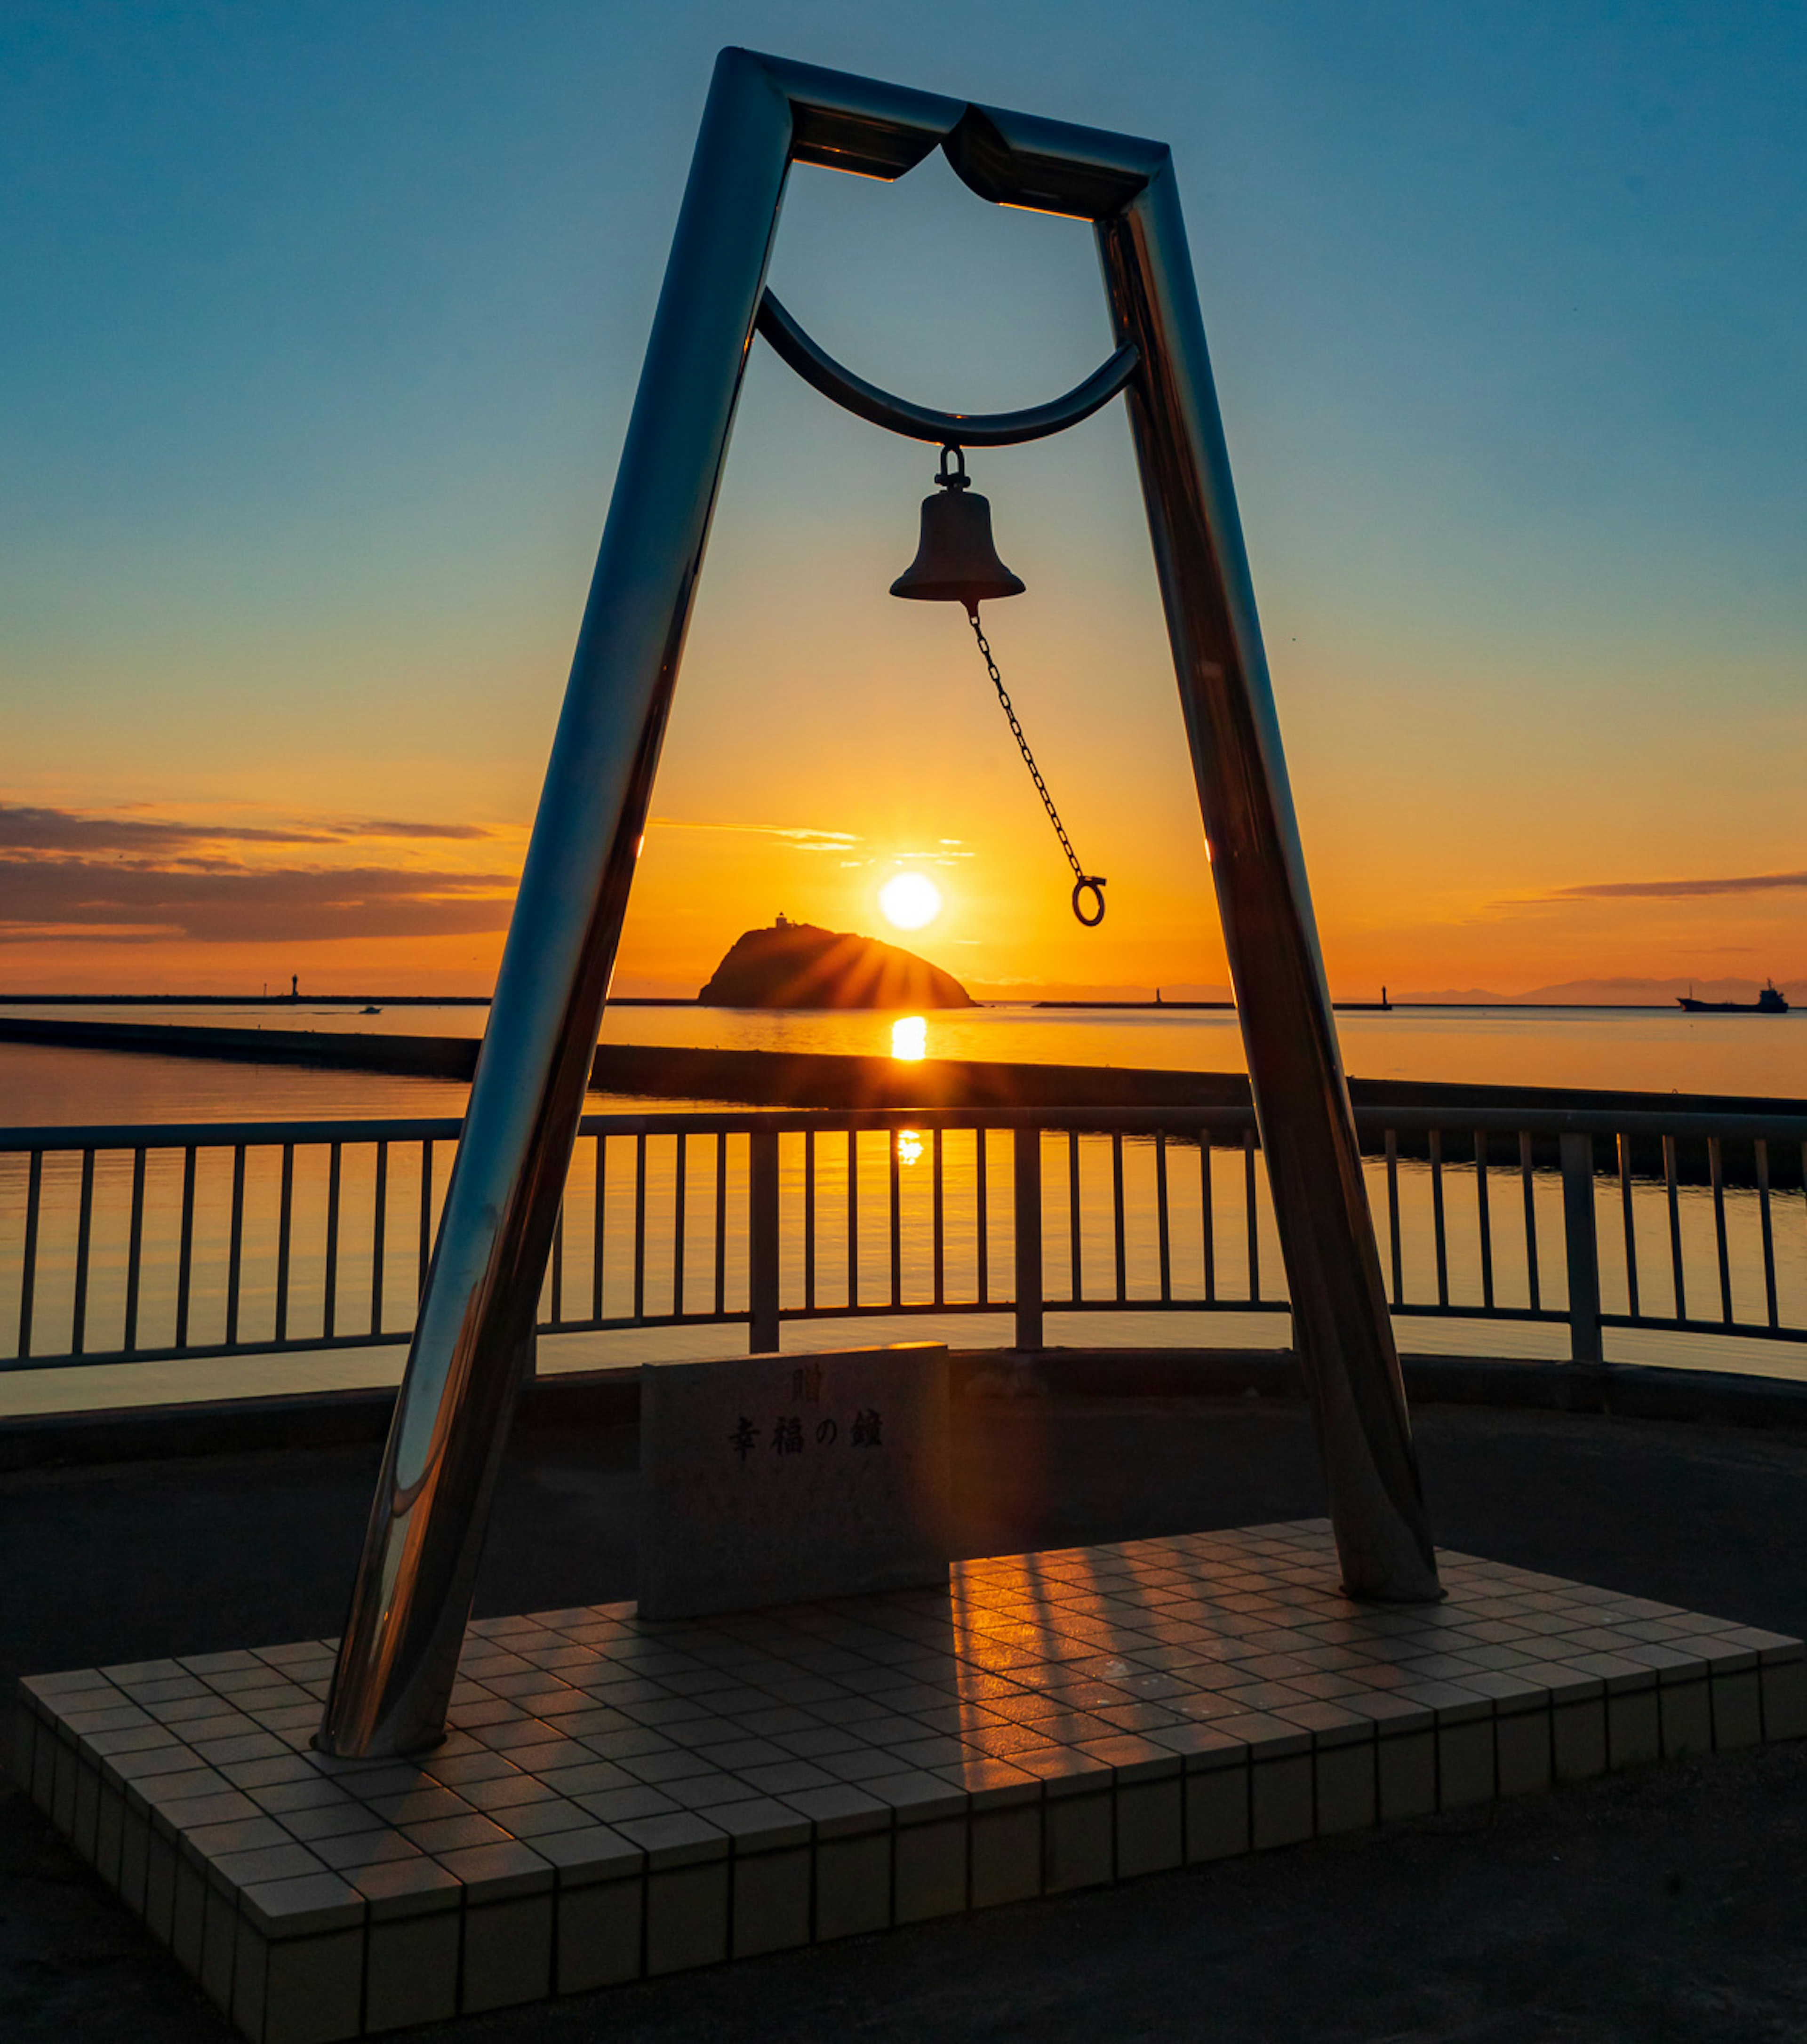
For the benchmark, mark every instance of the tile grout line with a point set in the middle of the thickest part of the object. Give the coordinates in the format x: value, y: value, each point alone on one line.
x: 1751, y: 1685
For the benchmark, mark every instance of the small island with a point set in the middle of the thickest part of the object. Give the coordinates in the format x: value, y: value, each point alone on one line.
x: 795, y: 965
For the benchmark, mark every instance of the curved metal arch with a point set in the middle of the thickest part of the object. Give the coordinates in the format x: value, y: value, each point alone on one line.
x: 918, y: 422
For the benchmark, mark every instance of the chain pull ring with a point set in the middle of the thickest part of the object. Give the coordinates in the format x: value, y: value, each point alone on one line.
x: 1084, y: 884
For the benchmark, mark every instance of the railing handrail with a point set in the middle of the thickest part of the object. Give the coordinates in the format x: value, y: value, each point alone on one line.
x: 1375, y: 1117
x: 1585, y: 1121
x: 222, y: 1135
x: 784, y: 1121
x: 363, y: 1165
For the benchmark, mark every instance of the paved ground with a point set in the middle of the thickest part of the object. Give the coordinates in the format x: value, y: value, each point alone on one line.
x: 1667, y: 1905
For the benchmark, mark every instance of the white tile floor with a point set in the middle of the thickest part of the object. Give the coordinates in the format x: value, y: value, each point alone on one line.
x: 618, y: 1799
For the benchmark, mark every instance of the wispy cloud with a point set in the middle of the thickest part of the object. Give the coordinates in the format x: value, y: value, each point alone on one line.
x: 801, y: 837
x: 806, y: 838
x: 223, y: 904
x: 387, y: 827
x: 25, y: 828
x: 1551, y: 901
x: 1664, y: 890
x: 112, y: 875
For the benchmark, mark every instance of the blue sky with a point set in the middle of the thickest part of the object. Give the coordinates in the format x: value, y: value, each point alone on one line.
x: 321, y: 322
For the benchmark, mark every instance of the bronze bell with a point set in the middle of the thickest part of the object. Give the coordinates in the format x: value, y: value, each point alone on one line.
x: 955, y: 561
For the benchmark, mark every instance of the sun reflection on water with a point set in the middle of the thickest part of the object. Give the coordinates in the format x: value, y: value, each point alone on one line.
x: 909, y: 1146
x: 910, y: 1038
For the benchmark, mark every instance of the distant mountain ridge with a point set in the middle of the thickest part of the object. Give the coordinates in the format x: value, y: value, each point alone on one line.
x: 1628, y: 993
x: 796, y: 964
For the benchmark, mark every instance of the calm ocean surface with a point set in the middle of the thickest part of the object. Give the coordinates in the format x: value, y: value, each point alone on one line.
x: 1644, y: 1050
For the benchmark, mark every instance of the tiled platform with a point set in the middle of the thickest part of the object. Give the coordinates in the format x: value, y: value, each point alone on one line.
x: 621, y: 1799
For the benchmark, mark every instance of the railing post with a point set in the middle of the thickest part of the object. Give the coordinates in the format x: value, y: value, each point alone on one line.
x: 1582, y: 1248
x: 761, y: 1241
x: 1028, y: 1224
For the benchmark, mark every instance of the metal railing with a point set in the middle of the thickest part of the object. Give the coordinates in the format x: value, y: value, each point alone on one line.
x: 141, y: 1243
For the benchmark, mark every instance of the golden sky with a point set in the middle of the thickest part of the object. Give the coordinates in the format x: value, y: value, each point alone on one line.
x: 313, y: 408
x: 1537, y: 833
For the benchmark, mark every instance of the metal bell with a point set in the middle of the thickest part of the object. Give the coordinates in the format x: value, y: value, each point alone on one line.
x: 956, y: 560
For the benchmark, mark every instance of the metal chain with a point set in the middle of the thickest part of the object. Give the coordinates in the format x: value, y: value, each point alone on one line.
x: 1022, y: 747
x: 1083, y: 879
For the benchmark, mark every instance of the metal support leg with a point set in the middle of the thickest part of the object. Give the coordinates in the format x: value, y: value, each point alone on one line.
x: 413, y: 1592
x: 1340, y: 1326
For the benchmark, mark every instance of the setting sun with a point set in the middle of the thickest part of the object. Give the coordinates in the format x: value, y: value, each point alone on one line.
x: 910, y: 900
x: 910, y: 1038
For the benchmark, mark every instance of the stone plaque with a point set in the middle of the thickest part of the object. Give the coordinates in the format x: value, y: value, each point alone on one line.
x: 777, y: 1479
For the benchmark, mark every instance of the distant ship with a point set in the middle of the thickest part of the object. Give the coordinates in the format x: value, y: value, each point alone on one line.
x: 1769, y: 1002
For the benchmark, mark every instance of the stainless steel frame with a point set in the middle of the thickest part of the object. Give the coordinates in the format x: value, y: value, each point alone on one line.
x: 412, y: 1595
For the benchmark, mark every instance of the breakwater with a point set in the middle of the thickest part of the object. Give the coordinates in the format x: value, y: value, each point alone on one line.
x: 814, y: 1079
